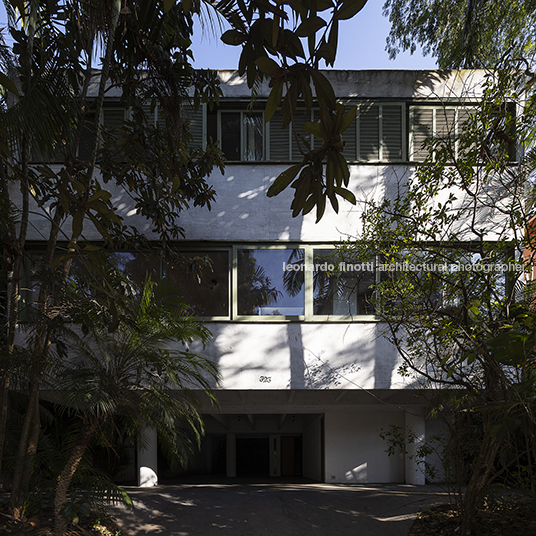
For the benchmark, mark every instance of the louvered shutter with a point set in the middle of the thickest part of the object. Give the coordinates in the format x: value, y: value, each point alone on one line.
x: 391, y: 132
x: 349, y: 136
x: 279, y: 139
x: 113, y: 118
x: 445, y: 124
x: 421, y: 130
x: 196, y: 119
x: 464, y: 114
x: 369, y: 132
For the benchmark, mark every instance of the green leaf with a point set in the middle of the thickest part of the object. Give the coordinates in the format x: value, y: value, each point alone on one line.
x: 324, y: 90
x: 349, y: 8
x: 346, y: 194
x: 233, y: 37
x: 101, y: 194
x: 78, y: 224
x: 314, y: 129
x: 8, y: 84
x: 274, y: 100
x: 334, y: 38
x: 267, y: 65
x: 283, y: 180
x: 168, y: 4
x: 310, y: 26
x: 348, y: 119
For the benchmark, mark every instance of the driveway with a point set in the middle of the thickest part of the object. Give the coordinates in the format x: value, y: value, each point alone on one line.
x: 300, y: 508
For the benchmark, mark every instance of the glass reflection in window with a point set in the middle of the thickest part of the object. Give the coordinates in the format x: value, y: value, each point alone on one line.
x: 266, y: 287
x: 201, y: 280
x: 341, y: 288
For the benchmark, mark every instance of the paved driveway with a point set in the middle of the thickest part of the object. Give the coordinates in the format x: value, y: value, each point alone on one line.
x: 275, y: 509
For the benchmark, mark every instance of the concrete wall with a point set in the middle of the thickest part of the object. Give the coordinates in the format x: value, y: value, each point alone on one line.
x: 304, y: 356
x: 354, y: 451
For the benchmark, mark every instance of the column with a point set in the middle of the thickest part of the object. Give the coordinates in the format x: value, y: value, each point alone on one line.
x: 148, y: 460
x: 415, y: 422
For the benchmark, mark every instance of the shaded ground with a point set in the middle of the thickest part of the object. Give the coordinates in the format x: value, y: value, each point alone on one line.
x: 516, y: 519
x: 298, y: 508
x: 41, y: 523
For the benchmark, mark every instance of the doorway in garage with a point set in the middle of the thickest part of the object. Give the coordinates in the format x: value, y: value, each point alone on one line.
x: 253, y: 456
x: 291, y: 456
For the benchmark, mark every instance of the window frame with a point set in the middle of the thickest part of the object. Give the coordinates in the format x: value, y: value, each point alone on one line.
x: 243, y: 113
x: 382, y: 145
x: 435, y: 107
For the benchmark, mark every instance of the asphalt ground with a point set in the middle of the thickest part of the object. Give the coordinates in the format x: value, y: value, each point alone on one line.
x: 275, y: 508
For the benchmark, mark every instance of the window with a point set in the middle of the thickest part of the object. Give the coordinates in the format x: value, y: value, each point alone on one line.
x: 264, y: 287
x: 199, y: 278
x: 380, y: 133
x: 435, y: 122
x: 242, y: 135
x: 342, y: 288
x: 377, y: 134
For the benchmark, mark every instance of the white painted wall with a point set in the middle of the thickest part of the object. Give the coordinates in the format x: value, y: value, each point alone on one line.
x: 354, y: 451
x: 304, y: 356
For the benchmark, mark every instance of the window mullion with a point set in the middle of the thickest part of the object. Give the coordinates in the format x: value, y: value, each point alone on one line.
x: 308, y: 283
x: 380, y: 132
x: 234, y: 283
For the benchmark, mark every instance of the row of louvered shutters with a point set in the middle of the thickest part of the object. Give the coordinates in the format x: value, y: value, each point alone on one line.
x: 381, y: 132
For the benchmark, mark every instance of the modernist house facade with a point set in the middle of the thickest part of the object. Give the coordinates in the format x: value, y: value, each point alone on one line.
x: 308, y: 377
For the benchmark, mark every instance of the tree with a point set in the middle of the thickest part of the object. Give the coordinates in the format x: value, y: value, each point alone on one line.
x: 452, y: 242
x: 141, y: 373
x: 47, y: 109
x: 51, y: 64
x: 466, y: 34
x: 270, y: 36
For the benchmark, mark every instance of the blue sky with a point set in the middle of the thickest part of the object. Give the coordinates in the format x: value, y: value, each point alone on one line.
x: 361, y: 45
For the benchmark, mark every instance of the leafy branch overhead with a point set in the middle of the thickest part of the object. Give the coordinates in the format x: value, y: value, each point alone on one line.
x: 285, y: 43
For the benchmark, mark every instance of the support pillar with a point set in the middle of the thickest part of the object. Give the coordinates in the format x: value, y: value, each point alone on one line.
x: 148, y: 460
x: 415, y: 424
x: 275, y: 455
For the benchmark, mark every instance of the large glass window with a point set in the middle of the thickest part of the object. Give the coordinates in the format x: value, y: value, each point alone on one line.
x: 200, y: 279
x: 264, y: 285
x: 136, y: 265
x: 341, y: 287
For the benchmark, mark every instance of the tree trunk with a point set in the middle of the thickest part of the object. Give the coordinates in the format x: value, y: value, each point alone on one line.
x: 31, y: 450
x: 478, y: 482
x: 64, y: 480
x: 4, y: 394
x: 17, y: 494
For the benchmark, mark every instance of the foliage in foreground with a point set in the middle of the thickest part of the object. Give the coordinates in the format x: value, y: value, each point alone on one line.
x: 452, y: 298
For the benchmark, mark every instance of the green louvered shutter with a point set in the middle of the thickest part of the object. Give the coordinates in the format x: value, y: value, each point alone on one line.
x: 392, y: 139
x: 369, y: 132
x: 197, y: 125
x: 422, y: 122
x: 279, y: 139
